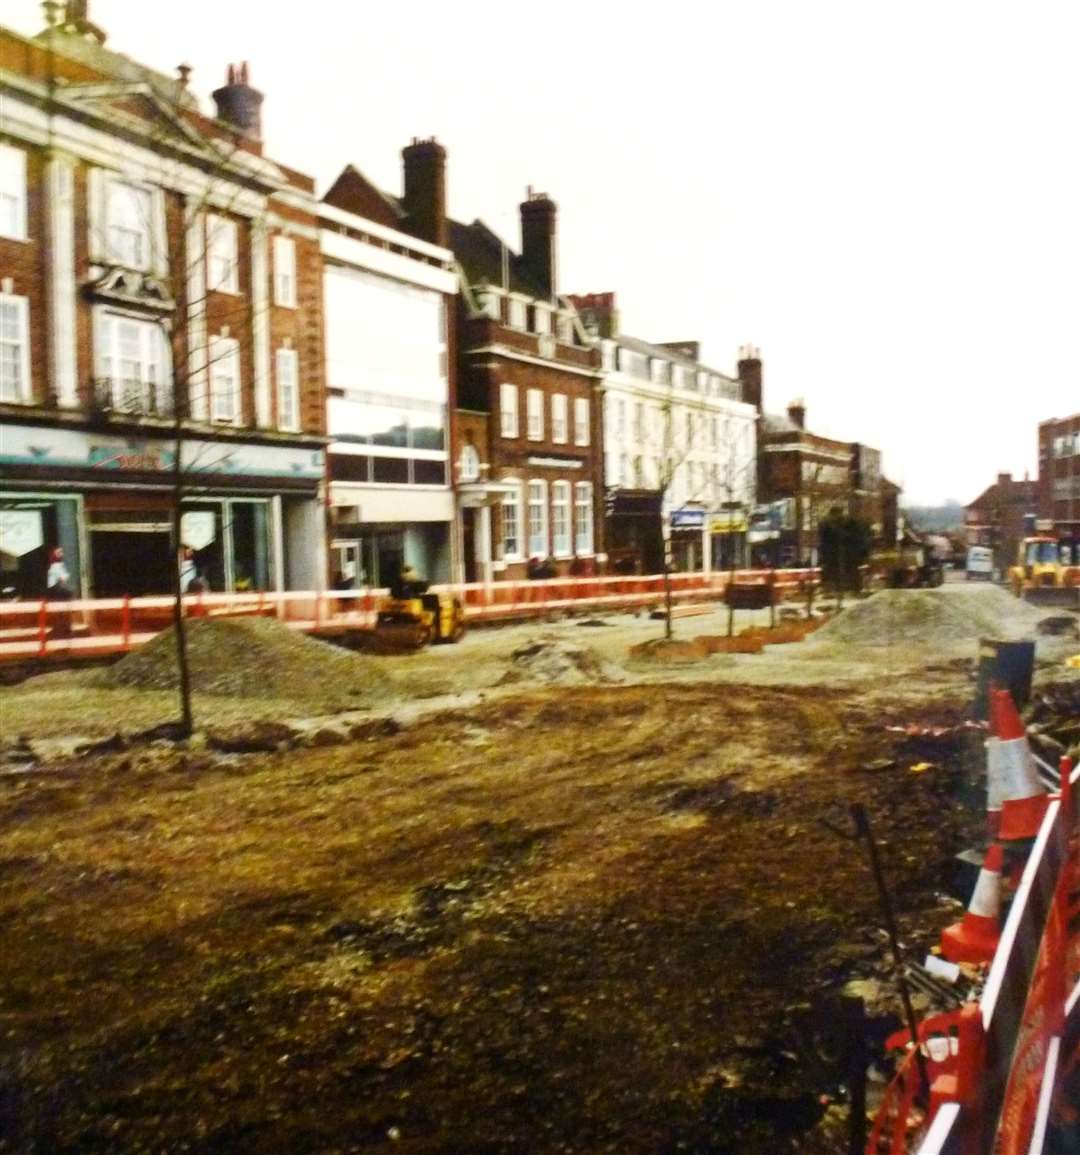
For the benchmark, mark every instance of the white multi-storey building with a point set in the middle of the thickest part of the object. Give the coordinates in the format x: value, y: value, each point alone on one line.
x: 679, y: 451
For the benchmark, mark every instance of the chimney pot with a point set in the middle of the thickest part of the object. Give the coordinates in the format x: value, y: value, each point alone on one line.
x: 238, y: 104
x: 797, y: 413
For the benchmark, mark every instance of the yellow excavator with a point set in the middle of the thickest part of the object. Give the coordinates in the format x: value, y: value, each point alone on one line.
x: 413, y: 617
x: 1039, y: 575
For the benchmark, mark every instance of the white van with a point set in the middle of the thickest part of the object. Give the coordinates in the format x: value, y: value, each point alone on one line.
x: 980, y: 563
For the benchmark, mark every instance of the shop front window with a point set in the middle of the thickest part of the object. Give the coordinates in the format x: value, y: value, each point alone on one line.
x: 31, y: 528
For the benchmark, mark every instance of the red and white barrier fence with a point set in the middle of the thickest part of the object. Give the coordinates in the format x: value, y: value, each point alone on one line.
x: 1029, y: 1014
x: 97, y: 626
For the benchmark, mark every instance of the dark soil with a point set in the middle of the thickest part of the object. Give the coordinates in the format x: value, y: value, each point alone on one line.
x: 579, y: 920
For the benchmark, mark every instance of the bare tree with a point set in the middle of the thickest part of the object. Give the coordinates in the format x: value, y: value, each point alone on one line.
x: 674, y: 463
x: 185, y: 395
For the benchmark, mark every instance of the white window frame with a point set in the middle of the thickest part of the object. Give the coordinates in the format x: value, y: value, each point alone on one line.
x: 285, y: 272
x: 560, y: 425
x: 286, y: 365
x: 509, y: 418
x: 581, y: 421
x: 13, y: 191
x: 562, y: 532
x: 222, y: 254
x: 534, y: 414
x: 225, y: 354
x: 469, y: 464
x: 541, y: 318
x: 145, y: 229
x: 513, y: 499
x: 153, y: 355
x: 23, y: 392
x: 583, y: 519
x: 564, y: 326
x: 536, y: 530
x: 490, y: 302
x: 517, y: 316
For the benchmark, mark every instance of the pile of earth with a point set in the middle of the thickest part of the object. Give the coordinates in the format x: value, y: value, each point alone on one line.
x: 553, y: 661
x: 249, y: 658
x: 928, y: 617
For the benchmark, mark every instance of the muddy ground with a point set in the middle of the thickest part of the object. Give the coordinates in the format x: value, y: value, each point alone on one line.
x: 596, y: 918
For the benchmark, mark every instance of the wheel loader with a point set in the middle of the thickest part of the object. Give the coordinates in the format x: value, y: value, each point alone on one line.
x: 412, y: 617
x: 1039, y: 575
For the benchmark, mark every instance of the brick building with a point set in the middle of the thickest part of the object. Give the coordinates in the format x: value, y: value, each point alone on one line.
x: 157, y: 273
x: 528, y: 446
x: 1001, y: 516
x: 802, y: 476
x: 679, y: 450
x: 1059, y: 481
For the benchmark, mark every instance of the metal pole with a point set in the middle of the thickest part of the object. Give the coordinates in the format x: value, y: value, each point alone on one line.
x: 862, y: 826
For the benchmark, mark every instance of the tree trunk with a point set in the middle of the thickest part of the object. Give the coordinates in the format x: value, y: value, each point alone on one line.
x: 187, y: 719
x: 668, y: 629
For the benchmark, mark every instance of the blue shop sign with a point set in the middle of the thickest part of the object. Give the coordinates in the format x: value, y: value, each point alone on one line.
x: 688, y: 519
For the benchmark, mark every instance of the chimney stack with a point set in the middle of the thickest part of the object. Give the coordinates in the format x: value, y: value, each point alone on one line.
x: 749, y: 370
x: 538, y: 256
x: 796, y: 412
x: 238, y: 104
x: 424, y: 199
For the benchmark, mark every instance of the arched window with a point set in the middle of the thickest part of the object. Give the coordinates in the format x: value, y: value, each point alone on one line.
x: 469, y: 465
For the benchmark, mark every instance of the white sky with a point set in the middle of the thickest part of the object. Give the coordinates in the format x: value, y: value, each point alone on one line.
x: 885, y: 198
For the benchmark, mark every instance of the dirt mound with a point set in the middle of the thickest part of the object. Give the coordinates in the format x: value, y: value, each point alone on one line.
x: 666, y: 650
x: 250, y: 658
x: 927, y: 617
x: 556, y: 662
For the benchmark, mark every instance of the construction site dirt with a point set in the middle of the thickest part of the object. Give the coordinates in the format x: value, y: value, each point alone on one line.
x: 593, y: 908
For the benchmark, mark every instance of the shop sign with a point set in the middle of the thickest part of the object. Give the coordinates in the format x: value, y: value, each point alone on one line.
x: 734, y: 522
x: 688, y: 519
x: 50, y: 448
x: 20, y: 531
x: 197, y: 528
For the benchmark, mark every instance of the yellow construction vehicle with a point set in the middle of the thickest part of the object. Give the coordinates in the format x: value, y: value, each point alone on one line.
x: 1039, y: 575
x: 412, y: 617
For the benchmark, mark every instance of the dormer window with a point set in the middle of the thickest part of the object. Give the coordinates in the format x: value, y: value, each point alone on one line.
x: 491, y: 303
x: 130, y: 226
x: 518, y: 315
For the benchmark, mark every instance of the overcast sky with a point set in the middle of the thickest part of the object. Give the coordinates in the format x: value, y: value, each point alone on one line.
x: 884, y: 198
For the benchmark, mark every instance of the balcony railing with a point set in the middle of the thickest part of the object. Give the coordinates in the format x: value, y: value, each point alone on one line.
x: 131, y: 398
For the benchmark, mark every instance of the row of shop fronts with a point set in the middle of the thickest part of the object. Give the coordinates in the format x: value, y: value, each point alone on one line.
x: 251, y: 514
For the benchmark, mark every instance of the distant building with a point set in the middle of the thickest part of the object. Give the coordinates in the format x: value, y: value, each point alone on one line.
x: 1001, y: 516
x: 155, y: 266
x: 803, y: 476
x: 1059, y: 480
x: 679, y: 448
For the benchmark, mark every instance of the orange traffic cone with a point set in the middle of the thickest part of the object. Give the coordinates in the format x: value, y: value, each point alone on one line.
x: 1013, y: 788
x: 975, y: 937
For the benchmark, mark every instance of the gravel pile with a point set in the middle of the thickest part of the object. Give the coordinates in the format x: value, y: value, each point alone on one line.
x: 928, y: 617
x: 553, y: 661
x: 250, y: 658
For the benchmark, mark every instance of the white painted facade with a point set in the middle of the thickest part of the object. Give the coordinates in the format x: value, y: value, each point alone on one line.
x: 675, y: 426
x: 387, y: 298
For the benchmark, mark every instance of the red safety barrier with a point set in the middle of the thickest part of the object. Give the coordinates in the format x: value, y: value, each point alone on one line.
x: 98, y: 626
